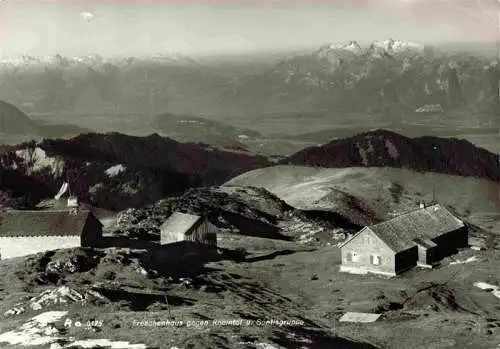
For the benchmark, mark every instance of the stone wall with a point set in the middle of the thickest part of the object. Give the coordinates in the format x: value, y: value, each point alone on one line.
x: 365, y: 245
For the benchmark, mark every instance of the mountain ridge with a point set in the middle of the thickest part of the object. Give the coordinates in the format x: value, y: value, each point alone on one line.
x: 116, y: 171
x: 383, y: 148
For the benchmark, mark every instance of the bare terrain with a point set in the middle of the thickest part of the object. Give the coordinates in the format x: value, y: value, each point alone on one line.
x: 275, y: 281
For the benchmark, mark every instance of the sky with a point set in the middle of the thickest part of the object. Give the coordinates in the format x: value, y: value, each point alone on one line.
x: 205, y: 27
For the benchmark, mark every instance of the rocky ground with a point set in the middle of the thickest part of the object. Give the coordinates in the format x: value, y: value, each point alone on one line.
x: 238, y: 210
x: 112, y: 292
x: 118, y: 297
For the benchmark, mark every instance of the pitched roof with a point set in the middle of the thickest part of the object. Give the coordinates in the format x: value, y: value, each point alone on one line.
x: 423, y: 224
x: 42, y: 223
x: 180, y: 222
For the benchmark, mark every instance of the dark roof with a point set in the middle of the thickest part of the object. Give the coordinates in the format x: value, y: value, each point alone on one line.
x: 423, y: 224
x: 180, y: 223
x: 43, y: 223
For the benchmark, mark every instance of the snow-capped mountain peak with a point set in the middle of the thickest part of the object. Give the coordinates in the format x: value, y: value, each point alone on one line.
x: 352, y: 46
x: 375, y: 49
x: 57, y: 60
x: 395, y: 46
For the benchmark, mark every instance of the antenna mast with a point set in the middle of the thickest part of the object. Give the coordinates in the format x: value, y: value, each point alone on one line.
x: 69, y: 186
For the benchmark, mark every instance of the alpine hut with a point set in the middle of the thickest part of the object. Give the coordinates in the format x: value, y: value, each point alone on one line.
x: 420, y: 237
x: 187, y: 227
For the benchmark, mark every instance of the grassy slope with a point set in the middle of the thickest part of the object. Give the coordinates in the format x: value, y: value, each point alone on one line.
x: 214, y: 294
x: 306, y: 187
x: 333, y: 293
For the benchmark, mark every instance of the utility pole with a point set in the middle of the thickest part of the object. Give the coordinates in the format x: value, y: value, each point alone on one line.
x: 168, y: 307
x: 498, y: 59
x: 498, y: 48
x: 434, y: 182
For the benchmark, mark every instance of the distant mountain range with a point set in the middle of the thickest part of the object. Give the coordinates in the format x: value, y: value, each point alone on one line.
x: 96, y: 84
x: 390, y: 77
x: 59, y: 61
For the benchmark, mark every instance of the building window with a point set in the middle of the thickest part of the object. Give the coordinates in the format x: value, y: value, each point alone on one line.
x: 351, y: 257
x: 367, y: 240
x: 375, y: 260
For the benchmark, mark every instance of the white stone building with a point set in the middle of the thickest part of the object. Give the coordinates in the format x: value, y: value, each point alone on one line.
x: 25, y: 232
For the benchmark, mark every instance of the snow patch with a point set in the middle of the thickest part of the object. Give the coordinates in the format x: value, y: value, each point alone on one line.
x: 308, y: 232
x: 353, y: 271
x: 191, y: 122
x: 18, y: 309
x: 468, y: 260
x: 142, y: 271
x: 40, y: 330
x: 430, y: 108
x: 352, y: 46
x: 495, y: 290
x: 62, y: 295
x: 265, y: 346
x: 115, y: 170
x: 56, y: 296
x: 392, y: 149
x: 363, y: 154
x: 36, y: 160
x: 397, y: 46
x: 92, y: 343
x: 359, y: 317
